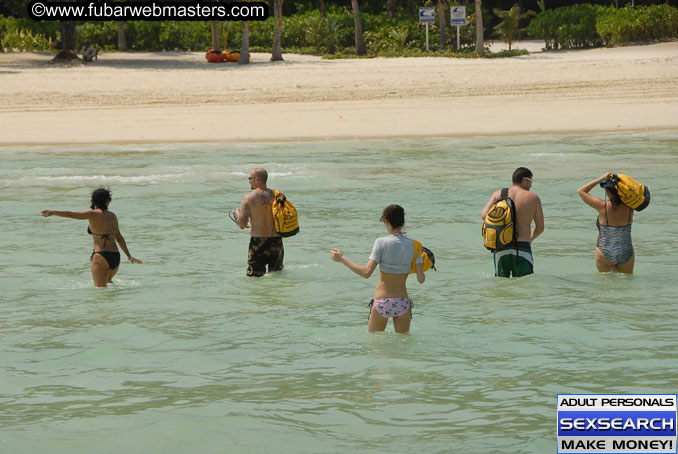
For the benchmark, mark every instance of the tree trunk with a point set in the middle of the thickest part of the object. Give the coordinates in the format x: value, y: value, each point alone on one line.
x: 67, y: 28
x: 321, y: 7
x: 67, y: 53
x: 410, y: 7
x: 122, y: 38
x: 391, y: 7
x: 480, y: 42
x: 443, y: 24
x: 245, y: 46
x: 216, y: 36
x: 277, y: 35
x: 360, y: 48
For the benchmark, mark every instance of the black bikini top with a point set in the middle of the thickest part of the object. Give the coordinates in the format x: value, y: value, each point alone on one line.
x: 105, y: 236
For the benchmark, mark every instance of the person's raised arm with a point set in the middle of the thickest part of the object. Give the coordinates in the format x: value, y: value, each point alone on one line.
x: 362, y: 271
x: 68, y: 214
x: 594, y: 202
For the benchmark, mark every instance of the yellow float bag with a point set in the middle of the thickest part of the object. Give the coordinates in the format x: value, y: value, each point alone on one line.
x: 284, y: 215
x: 634, y: 194
x: 498, y: 228
x: 429, y: 258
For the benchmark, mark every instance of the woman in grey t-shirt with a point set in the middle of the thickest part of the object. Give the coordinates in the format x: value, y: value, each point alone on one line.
x: 394, y: 254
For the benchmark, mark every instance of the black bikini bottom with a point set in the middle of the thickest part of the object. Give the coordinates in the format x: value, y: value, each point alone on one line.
x: 112, y: 258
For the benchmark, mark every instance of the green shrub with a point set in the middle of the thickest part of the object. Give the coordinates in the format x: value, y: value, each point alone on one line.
x: 103, y: 35
x: 586, y: 25
x: 26, y: 35
x: 25, y: 40
x: 567, y: 27
x: 643, y: 23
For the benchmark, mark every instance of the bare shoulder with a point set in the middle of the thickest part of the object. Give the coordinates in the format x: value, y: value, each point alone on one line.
x: 534, y: 197
x: 258, y: 197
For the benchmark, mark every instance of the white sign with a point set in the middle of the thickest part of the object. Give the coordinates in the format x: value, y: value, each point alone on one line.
x: 457, y: 15
x: 427, y: 14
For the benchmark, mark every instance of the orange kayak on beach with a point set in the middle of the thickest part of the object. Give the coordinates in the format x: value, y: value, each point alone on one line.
x: 215, y: 56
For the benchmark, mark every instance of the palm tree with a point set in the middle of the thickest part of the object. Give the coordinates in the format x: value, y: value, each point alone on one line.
x: 216, y: 34
x: 67, y: 29
x: 360, y: 48
x: 441, y: 15
x: 244, y: 58
x: 122, y: 38
x: 391, y: 7
x: 277, y: 36
x: 480, y: 42
x: 510, y: 23
x: 67, y: 53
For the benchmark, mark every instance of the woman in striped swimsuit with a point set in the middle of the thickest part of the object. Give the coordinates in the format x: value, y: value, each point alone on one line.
x: 614, y: 250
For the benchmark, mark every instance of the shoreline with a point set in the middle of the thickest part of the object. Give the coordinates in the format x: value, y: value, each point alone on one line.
x: 177, y: 98
x: 579, y: 132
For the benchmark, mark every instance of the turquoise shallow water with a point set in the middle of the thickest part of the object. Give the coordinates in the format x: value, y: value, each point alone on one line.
x: 186, y: 354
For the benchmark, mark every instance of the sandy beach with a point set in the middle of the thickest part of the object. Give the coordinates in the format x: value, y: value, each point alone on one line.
x: 177, y: 97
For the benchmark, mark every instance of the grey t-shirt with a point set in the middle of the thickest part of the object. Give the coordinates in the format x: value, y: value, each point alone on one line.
x: 394, y: 254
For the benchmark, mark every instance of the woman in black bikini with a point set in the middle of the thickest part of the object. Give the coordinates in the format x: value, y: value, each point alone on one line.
x: 103, y: 226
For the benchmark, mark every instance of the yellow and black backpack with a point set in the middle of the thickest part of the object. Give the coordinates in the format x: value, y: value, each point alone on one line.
x: 429, y: 258
x: 635, y: 195
x: 499, y: 230
x: 284, y: 215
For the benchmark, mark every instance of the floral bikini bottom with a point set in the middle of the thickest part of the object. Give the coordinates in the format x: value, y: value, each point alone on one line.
x: 391, y: 307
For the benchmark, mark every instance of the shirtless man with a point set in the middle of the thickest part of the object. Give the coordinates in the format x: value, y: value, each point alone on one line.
x: 266, y: 246
x: 518, y: 260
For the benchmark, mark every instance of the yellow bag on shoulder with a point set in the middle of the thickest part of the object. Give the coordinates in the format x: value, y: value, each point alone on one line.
x: 429, y: 258
x: 498, y: 227
x: 284, y: 215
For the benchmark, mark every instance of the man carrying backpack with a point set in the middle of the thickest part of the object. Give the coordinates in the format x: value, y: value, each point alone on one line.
x: 266, y: 245
x: 511, y: 243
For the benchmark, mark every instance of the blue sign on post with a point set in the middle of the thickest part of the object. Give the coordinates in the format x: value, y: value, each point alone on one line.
x: 458, y: 15
x: 427, y: 15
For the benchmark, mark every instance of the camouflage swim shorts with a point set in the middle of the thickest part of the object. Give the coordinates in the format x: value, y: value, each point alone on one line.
x: 265, y: 251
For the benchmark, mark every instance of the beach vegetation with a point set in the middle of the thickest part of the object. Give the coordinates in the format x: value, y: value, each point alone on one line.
x: 565, y: 28
x: 585, y: 25
x: 392, y: 29
x: 509, y: 27
x: 21, y: 34
x: 640, y: 24
x: 18, y: 39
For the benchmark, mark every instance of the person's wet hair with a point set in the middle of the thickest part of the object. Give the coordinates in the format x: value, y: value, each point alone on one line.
x: 100, y: 197
x: 520, y: 173
x: 614, y: 197
x: 395, y: 215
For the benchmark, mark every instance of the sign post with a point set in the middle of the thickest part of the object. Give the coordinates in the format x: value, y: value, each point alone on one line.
x: 427, y: 15
x: 458, y: 18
